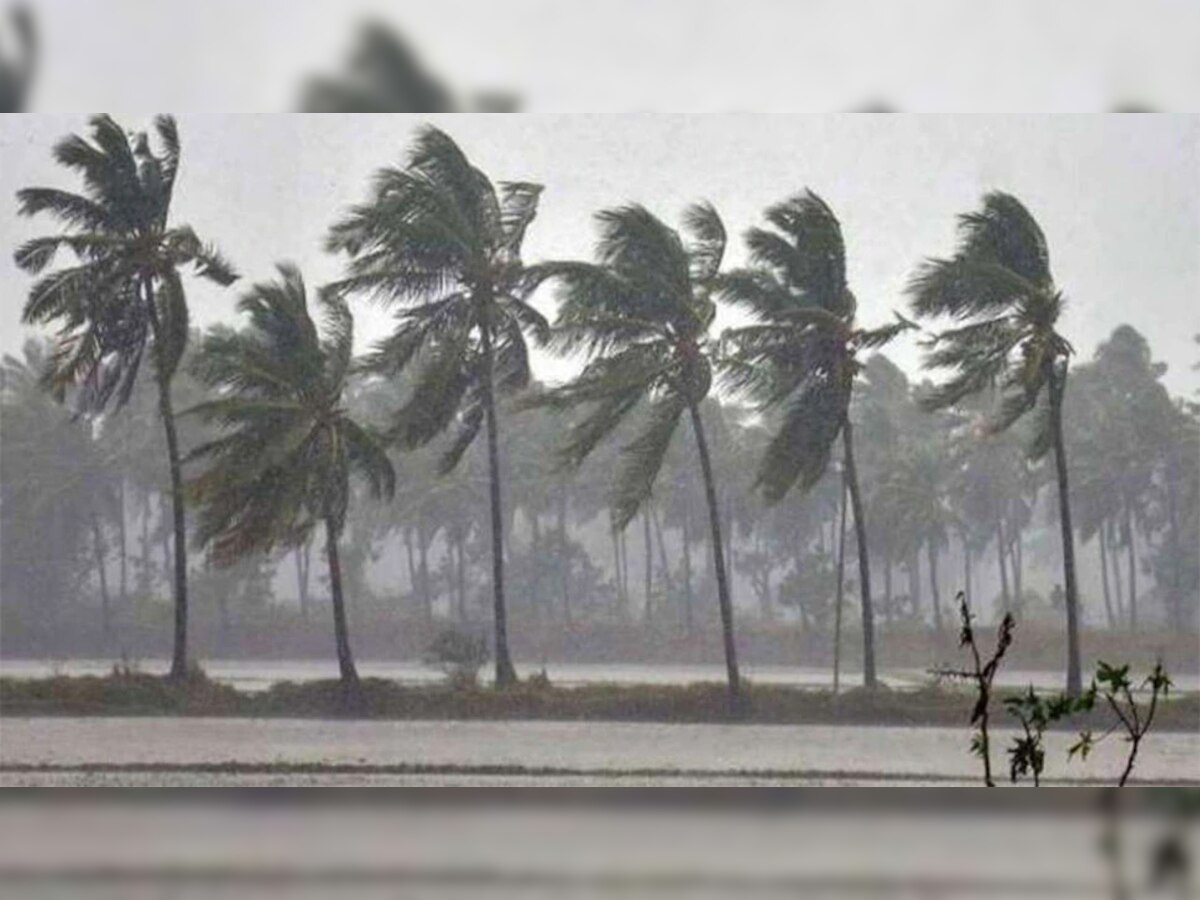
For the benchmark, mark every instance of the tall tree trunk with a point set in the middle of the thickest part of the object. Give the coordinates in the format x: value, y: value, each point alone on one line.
x: 505, y: 673
x: 123, y: 541
x: 1176, y: 604
x: 648, y: 610
x: 664, y: 566
x: 688, y: 598
x: 934, y: 589
x: 617, y: 585
x: 723, y: 597
x: 864, y: 562
x: 840, y: 592
x: 966, y: 555
x: 102, y: 573
x: 1006, y: 598
x: 1074, y: 668
x: 144, y: 579
x: 1131, y: 545
x: 341, y: 631
x: 410, y: 554
x: 179, y: 652
x: 1108, y: 607
x: 914, y: 581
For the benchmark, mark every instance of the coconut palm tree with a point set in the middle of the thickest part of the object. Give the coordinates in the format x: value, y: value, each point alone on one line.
x: 283, y: 464
x: 800, y: 357
x: 998, y: 291
x: 641, y: 315
x: 124, y: 296
x: 441, y: 242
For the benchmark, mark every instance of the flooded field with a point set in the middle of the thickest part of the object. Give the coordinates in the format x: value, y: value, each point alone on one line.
x: 258, y: 675
x: 217, y: 751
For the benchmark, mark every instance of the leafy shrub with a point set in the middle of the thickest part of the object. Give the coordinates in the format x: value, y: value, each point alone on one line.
x: 460, y: 655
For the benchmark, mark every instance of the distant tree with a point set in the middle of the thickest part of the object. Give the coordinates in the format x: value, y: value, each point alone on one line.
x: 800, y: 358
x: 16, y: 74
x: 999, y: 284
x: 285, y: 460
x: 125, y: 294
x: 641, y: 315
x: 441, y: 242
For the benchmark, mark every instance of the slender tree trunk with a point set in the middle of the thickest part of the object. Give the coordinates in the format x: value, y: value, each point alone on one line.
x: 839, y: 596
x: 341, y: 631
x: 123, y: 541
x: 616, y: 548
x: 102, y: 573
x: 1176, y: 604
x: 1014, y: 558
x: 966, y: 555
x: 648, y: 610
x: 934, y: 589
x: 730, y: 561
x: 179, y: 653
x: 914, y: 581
x: 1074, y: 669
x: 410, y: 554
x: 505, y: 673
x: 300, y: 554
x: 864, y: 563
x: 724, y: 599
x: 688, y: 598
x: 1006, y: 598
x: 1108, y: 608
x: 1131, y: 544
x: 144, y: 579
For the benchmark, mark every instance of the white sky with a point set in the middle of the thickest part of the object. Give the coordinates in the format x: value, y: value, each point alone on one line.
x: 1117, y: 196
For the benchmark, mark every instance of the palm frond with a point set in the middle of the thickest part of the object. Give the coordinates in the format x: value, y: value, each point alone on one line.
x: 642, y: 458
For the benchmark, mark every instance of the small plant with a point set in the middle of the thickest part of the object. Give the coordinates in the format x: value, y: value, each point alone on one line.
x: 1113, y: 684
x: 459, y: 655
x: 1027, y: 753
x: 981, y: 675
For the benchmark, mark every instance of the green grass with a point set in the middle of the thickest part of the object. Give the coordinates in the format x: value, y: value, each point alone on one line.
x: 129, y: 693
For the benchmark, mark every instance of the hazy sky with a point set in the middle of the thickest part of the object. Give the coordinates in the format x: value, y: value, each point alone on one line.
x: 1117, y: 196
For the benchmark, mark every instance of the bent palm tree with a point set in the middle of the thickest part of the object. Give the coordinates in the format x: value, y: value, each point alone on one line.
x: 999, y: 287
x: 438, y: 239
x: 642, y: 314
x: 290, y: 448
x: 800, y: 358
x: 125, y: 293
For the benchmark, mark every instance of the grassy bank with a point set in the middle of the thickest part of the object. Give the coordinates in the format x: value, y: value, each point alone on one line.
x: 138, y: 694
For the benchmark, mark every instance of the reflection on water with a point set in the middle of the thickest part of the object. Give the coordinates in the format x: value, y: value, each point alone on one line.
x: 585, y: 748
x: 258, y: 675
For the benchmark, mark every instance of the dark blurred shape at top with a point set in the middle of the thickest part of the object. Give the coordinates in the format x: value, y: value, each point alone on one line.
x: 384, y: 75
x: 16, y: 71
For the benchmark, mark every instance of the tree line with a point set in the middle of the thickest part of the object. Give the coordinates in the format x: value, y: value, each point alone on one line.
x: 772, y: 436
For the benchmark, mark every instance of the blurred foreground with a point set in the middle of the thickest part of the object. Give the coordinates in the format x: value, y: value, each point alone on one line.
x: 624, y: 843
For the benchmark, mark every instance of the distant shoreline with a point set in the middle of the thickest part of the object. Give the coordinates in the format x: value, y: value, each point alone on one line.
x: 140, y: 694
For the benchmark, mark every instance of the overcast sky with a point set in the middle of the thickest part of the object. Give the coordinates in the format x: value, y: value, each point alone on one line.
x: 1117, y: 197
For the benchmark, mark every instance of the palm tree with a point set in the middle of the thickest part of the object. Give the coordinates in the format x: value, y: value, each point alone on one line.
x: 998, y: 288
x: 125, y: 294
x: 284, y: 462
x: 438, y: 239
x: 641, y: 315
x: 800, y: 358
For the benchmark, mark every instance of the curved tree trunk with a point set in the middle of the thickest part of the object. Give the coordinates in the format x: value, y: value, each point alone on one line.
x: 179, y: 652
x: 341, y: 632
x: 839, y: 595
x: 723, y: 598
x: 864, y: 563
x: 505, y: 673
x: 1074, y: 668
